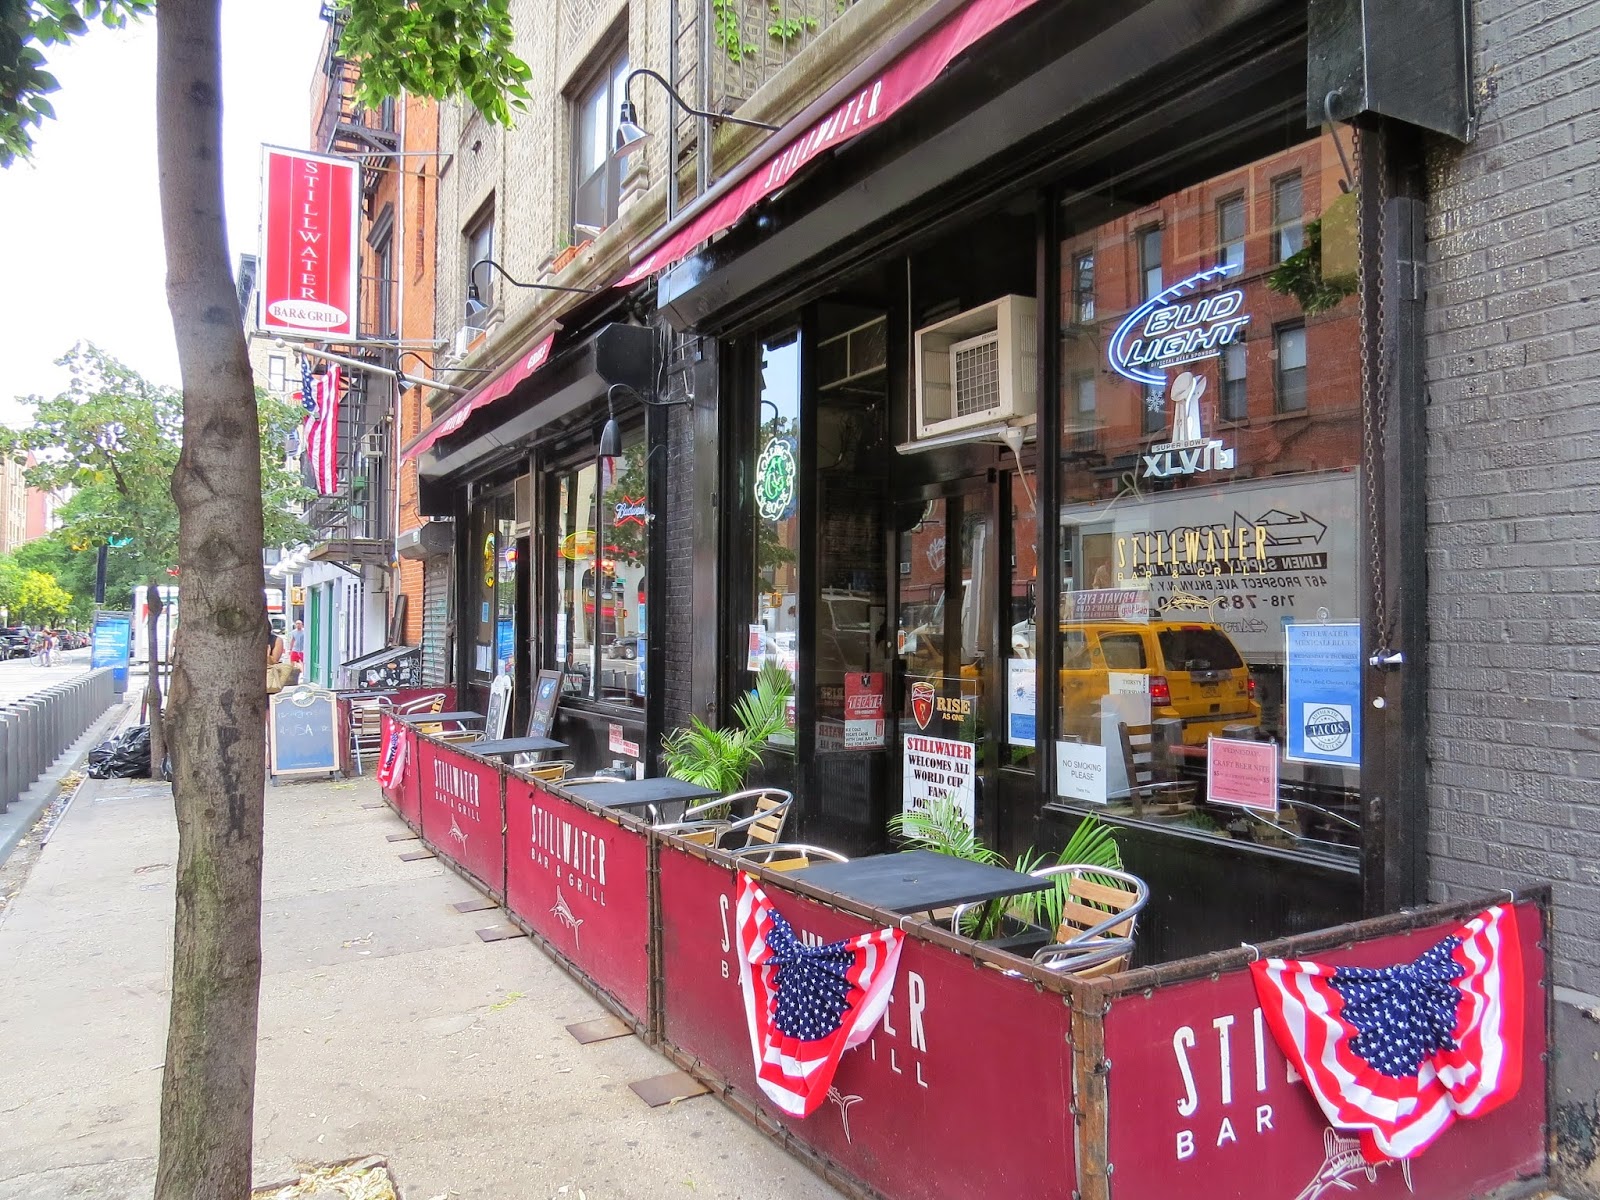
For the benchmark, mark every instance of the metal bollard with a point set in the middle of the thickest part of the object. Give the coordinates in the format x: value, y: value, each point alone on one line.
x: 6, y: 794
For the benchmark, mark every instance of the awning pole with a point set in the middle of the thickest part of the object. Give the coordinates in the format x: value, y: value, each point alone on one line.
x: 377, y: 370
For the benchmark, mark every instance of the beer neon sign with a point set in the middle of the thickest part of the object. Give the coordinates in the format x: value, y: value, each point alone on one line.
x: 1167, y: 330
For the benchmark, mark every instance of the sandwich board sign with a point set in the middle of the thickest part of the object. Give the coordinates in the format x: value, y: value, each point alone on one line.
x: 303, y: 732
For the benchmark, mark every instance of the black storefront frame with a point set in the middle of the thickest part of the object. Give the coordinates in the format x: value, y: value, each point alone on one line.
x: 1393, y: 771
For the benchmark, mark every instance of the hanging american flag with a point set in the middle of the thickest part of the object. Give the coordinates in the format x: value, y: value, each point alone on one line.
x: 1398, y: 1053
x: 807, y: 1005
x: 319, y: 396
x: 392, y: 766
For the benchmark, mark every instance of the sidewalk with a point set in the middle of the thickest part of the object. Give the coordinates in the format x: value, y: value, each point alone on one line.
x: 387, y: 1026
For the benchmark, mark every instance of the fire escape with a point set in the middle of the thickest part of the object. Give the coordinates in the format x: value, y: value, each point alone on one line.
x: 352, y: 526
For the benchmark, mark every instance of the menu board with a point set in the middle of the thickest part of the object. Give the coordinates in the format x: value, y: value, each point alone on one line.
x: 303, y: 732
x: 546, y: 698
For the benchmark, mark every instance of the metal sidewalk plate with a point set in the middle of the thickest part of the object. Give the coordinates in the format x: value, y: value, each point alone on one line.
x: 407, y: 836
x: 599, y: 1030
x: 664, y: 1089
x: 417, y: 855
x: 500, y: 933
x: 476, y: 904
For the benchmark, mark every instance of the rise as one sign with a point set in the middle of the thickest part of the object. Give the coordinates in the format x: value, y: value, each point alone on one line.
x: 309, y: 230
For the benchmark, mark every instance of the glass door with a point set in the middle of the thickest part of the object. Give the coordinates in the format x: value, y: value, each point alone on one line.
x: 943, y: 636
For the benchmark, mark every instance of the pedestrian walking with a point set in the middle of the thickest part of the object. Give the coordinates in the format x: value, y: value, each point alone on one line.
x: 47, y: 644
x: 297, y: 649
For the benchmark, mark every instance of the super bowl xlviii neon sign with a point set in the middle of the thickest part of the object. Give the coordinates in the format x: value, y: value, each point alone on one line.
x: 1171, y: 328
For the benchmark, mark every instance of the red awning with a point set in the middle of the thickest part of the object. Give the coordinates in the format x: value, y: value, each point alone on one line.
x: 497, y: 387
x: 876, y: 101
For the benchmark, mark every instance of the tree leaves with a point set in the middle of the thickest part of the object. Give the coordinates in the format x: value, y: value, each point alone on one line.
x: 438, y: 49
x: 27, y: 27
x: 110, y: 443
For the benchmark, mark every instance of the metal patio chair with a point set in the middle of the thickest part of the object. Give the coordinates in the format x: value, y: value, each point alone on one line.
x: 1099, y: 918
x: 366, y: 728
x: 794, y: 855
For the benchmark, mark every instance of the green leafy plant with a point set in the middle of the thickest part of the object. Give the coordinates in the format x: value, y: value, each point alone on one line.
x: 721, y: 758
x: 1300, y: 276
x: 786, y: 29
x: 942, y: 828
x: 727, y: 31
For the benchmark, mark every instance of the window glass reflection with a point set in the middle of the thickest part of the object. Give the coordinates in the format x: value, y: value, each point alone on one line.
x: 1207, y: 622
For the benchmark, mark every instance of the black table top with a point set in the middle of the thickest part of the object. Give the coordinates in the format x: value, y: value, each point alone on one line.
x: 918, y: 880
x: 422, y: 718
x: 630, y: 793
x: 516, y: 745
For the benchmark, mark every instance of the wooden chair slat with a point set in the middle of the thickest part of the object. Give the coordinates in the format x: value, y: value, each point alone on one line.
x: 1113, y: 898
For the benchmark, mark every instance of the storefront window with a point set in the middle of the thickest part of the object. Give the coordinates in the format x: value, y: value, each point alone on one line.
x: 1207, y: 623
x: 484, y: 573
x: 774, y: 629
x: 601, y: 547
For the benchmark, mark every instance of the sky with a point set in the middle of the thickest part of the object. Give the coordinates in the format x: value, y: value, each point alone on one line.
x: 81, y: 224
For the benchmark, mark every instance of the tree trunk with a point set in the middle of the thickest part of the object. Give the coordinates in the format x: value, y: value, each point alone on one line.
x: 218, y: 687
x: 152, y: 687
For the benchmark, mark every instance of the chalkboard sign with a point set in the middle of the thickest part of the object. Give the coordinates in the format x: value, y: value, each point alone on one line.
x: 303, y: 731
x: 494, y: 725
x: 546, y: 696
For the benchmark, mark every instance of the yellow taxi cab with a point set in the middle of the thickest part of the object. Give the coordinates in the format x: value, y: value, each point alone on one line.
x: 1187, y: 671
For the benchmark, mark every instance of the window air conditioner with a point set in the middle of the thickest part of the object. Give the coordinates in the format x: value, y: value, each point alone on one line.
x: 977, y: 367
x: 465, y: 336
x: 372, y: 445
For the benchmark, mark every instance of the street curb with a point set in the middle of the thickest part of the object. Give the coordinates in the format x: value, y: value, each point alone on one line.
x: 19, y: 818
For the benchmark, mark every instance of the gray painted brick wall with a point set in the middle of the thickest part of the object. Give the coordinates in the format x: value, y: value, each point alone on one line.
x: 1514, y: 475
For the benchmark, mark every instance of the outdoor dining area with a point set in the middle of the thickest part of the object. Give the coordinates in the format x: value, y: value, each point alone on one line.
x: 1024, y: 1045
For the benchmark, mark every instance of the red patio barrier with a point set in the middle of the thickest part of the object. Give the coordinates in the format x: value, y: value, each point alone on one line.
x: 964, y: 1090
x: 1202, y: 1103
x: 578, y: 878
x: 463, y: 812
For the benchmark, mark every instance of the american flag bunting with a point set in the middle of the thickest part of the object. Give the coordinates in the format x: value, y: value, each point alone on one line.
x: 392, y: 766
x: 807, y: 1005
x: 1397, y: 1053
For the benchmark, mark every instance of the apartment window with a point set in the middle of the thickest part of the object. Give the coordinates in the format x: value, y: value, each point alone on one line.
x: 1150, y: 262
x: 1288, y: 234
x: 596, y: 174
x: 1083, y: 397
x: 277, y: 374
x: 1230, y: 233
x: 383, y: 260
x: 1233, y: 404
x: 479, y: 239
x: 1291, y: 347
x: 1083, y: 288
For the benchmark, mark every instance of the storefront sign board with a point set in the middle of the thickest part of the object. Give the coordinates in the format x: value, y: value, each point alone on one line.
x: 1322, y: 693
x: 579, y: 881
x: 755, y: 647
x: 1241, y: 773
x: 939, y: 769
x: 961, y: 1092
x: 461, y: 812
x: 1202, y: 1102
x: 1246, y: 556
x: 863, y: 710
x: 309, y: 241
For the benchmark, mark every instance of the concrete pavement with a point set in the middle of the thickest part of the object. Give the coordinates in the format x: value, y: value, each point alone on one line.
x: 387, y: 1026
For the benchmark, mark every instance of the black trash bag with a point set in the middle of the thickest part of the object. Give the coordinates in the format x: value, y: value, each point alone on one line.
x: 129, y: 758
x: 99, y: 756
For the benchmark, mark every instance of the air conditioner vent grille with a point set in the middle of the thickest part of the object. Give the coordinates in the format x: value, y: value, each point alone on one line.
x: 976, y: 368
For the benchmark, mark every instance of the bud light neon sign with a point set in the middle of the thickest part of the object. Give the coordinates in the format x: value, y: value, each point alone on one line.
x: 1167, y: 330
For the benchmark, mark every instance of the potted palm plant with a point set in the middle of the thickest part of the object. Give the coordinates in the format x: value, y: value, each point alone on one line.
x: 721, y: 758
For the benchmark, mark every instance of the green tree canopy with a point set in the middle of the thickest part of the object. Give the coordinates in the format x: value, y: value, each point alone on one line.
x: 41, y: 600
x: 110, y: 443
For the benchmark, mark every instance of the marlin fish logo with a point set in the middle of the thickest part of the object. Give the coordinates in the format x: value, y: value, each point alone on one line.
x: 457, y: 832
x: 566, y: 916
x: 1341, y: 1161
x: 844, y: 1103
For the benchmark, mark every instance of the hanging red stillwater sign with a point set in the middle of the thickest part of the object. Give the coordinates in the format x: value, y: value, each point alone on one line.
x: 309, y: 241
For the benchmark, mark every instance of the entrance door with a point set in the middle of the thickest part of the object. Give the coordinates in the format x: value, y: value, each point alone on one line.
x: 944, y: 630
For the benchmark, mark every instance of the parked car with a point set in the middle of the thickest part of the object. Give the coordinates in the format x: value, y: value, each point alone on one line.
x: 15, y: 642
x: 1190, y: 671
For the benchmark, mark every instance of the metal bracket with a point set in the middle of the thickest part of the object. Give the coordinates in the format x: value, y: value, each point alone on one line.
x: 1387, y: 660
